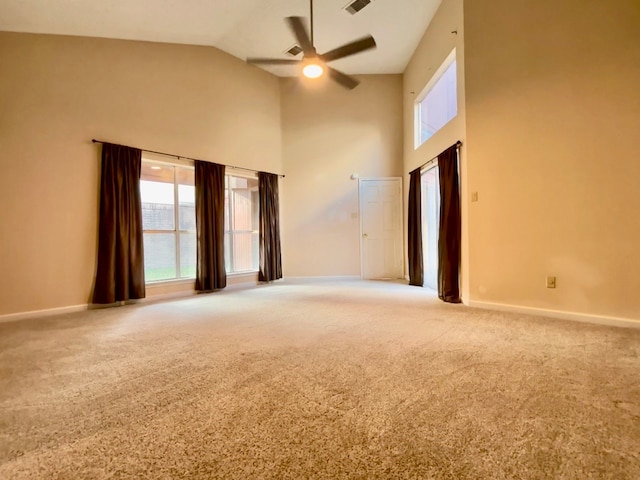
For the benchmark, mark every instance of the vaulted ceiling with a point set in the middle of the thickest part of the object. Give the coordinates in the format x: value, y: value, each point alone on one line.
x: 243, y: 28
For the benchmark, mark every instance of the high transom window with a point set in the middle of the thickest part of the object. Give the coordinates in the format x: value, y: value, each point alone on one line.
x: 438, y: 103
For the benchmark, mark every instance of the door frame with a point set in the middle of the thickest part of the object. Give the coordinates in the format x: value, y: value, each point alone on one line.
x: 400, y: 218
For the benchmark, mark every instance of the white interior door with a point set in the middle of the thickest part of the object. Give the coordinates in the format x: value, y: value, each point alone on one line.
x: 381, y: 228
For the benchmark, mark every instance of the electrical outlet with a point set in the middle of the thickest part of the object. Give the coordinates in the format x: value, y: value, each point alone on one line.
x: 551, y: 282
x: 474, y: 196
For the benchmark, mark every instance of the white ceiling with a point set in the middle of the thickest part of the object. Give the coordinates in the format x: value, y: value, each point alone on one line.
x: 243, y: 28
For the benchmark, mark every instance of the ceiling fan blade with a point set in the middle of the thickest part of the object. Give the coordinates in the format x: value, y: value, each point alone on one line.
x: 272, y: 61
x: 352, y: 48
x: 344, y: 80
x: 302, y: 36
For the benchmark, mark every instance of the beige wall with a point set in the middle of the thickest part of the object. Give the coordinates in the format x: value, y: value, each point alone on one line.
x: 553, y: 118
x: 434, y: 48
x: 56, y: 93
x: 552, y: 114
x: 328, y: 133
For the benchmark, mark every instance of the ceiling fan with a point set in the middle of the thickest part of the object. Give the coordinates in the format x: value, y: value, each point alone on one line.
x: 314, y: 65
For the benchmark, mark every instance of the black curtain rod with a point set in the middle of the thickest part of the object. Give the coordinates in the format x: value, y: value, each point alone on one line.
x: 458, y: 144
x: 93, y: 140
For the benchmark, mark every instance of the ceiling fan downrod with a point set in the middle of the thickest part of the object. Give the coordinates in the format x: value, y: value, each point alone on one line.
x: 311, y: 15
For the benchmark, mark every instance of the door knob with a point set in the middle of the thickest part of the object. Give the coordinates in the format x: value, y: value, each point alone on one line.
x: 365, y: 235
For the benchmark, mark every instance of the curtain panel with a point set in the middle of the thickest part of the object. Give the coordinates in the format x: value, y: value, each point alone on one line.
x: 270, y: 255
x: 209, y: 186
x: 120, y: 270
x: 414, y: 237
x: 449, y: 238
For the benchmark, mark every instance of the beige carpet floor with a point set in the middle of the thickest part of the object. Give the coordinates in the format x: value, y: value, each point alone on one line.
x: 321, y: 380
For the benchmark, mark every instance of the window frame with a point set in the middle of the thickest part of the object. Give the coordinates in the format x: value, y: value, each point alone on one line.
x: 175, y: 163
x: 417, y: 115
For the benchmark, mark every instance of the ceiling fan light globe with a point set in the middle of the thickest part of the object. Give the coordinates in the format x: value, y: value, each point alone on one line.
x: 312, y: 70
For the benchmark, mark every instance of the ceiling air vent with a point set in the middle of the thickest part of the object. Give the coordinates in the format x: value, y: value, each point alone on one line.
x: 355, y: 7
x: 293, y: 51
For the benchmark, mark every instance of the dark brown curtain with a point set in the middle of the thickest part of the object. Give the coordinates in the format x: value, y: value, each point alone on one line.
x: 449, y: 238
x: 120, y: 272
x: 209, y: 184
x: 416, y: 263
x: 270, y: 257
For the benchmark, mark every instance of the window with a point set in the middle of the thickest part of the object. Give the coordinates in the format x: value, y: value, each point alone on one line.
x: 241, y: 247
x: 169, y: 232
x: 438, y: 103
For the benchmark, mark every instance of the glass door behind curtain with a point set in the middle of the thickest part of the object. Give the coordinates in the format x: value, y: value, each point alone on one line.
x: 430, y: 189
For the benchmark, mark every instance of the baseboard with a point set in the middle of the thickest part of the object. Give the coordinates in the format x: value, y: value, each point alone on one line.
x: 322, y: 277
x: 150, y: 298
x: 161, y: 297
x: 47, y: 312
x: 560, y: 314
